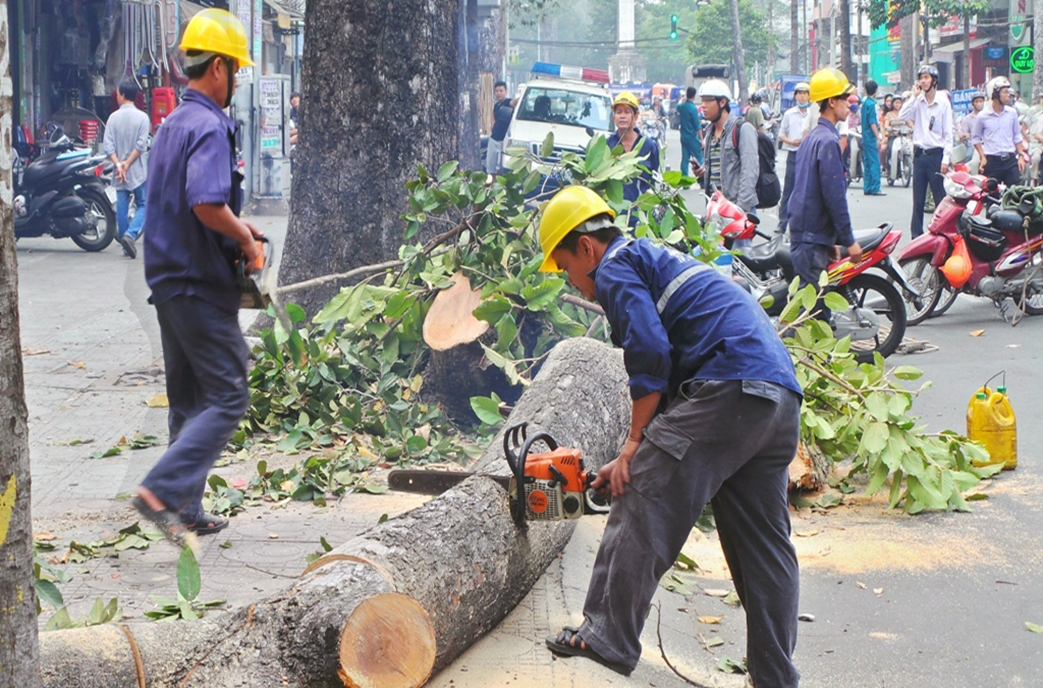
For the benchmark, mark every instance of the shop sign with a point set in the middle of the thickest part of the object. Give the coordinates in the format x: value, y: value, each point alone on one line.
x: 1023, y: 59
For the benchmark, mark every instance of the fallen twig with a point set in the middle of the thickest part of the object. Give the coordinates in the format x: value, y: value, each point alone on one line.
x: 659, y: 636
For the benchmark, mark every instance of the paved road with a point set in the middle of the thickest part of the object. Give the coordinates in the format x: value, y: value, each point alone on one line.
x: 935, y: 600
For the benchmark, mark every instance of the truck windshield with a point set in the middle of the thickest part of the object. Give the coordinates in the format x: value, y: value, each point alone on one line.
x: 559, y: 106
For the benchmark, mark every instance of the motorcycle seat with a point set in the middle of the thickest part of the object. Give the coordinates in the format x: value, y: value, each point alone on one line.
x: 41, y: 169
x: 869, y: 239
x: 763, y: 257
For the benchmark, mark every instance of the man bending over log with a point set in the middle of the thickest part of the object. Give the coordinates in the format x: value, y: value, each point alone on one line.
x: 715, y: 417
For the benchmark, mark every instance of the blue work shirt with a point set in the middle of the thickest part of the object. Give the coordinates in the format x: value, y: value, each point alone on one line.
x: 818, y: 211
x: 869, y: 118
x: 650, y: 154
x: 691, y: 123
x: 678, y: 319
x: 192, y: 162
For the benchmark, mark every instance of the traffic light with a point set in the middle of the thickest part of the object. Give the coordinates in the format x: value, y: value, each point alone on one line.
x: 673, y: 27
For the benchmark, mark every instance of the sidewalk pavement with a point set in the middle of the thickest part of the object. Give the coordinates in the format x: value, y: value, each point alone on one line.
x: 936, y: 600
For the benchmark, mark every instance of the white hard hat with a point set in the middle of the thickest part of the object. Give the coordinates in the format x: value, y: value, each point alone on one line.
x: 992, y: 89
x: 715, y: 88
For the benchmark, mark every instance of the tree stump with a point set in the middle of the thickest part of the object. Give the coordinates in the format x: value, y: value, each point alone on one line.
x: 441, y: 575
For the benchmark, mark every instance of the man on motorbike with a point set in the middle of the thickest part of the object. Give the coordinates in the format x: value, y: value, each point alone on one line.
x: 754, y: 114
x: 819, y: 217
x: 997, y: 136
x: 791, y: 134
x: 731, y: 163
x: 715, y: 418
x: 931, y: 113
x: 965, y: 130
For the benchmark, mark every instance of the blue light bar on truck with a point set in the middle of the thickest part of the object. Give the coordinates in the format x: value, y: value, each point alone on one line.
x: 567, y: 72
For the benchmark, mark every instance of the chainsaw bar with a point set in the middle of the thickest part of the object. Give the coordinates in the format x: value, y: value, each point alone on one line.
x: 420, y: 481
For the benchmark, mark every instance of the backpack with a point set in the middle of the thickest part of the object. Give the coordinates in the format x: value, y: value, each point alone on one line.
x: 769, y: 190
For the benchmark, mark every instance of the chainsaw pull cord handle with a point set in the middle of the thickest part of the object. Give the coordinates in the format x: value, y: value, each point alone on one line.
x: 519, y: 473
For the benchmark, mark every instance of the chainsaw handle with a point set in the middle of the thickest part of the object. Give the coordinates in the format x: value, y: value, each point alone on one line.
x: 517, y: 464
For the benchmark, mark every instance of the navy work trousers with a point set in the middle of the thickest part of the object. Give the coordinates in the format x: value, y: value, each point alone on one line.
x: 927, y: 167
x: 809, y: 262
x: 729, y: 442
x: 205, y: 358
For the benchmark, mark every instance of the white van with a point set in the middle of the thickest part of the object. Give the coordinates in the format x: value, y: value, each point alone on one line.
x: 573, y: 103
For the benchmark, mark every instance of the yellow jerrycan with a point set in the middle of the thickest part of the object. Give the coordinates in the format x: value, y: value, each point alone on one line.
x: 990, y: 420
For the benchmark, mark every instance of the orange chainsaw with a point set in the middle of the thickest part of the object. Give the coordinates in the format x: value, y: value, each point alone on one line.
x: 553, y: 484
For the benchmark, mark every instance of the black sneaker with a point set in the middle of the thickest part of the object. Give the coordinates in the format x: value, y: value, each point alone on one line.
x: 130, y: 249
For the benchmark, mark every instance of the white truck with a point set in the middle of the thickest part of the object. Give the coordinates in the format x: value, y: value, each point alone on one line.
x: 573, y: 103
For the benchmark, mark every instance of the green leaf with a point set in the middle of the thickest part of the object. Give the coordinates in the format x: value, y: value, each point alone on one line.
x: 188, y: 581
x: 49, y: 593
x: 492, y: 309
x: 875, y: 438
x: 730, y: 666
x: 1035, y: 628
x: 487, y: 409
x: 295, y: 313
x: 905, y: 372
x: 447, y: 170
x: 547, y: 147
x: 834, y: 301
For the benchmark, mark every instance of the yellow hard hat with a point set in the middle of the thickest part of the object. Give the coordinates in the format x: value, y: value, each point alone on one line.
x: 829, y: 83
x: 570, y: 207
x: 217, y: 31
x: 626, y: 98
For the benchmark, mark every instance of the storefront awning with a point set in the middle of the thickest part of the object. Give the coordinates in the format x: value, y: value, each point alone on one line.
x: 293, y: 8
x: 946, y: 53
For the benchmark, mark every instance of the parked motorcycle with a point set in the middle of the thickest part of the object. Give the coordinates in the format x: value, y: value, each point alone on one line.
x: 901, y: 167
x: 875, y: 318
x: 1004, y: 246
x: 65, y: 193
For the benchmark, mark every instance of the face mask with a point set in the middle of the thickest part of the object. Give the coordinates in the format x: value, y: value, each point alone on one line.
x: 803, y: 106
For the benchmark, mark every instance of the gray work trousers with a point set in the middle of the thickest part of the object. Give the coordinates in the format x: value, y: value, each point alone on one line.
x: 730, y: 443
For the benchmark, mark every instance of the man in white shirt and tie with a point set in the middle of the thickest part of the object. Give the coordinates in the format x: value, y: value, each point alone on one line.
x: 931, y: 114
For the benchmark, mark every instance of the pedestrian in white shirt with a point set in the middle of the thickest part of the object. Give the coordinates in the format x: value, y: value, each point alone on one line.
x: 997, y: 136
x: 931, y: 115
x: 791, y: 133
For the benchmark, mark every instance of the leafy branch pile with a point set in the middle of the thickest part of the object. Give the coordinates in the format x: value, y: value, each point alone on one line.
x: 352, y: 380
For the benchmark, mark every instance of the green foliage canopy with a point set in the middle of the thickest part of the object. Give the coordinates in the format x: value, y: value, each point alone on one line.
x: 710, y: 37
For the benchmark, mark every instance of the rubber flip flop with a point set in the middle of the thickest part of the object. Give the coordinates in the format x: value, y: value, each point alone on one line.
x: 206, y: 524
x: 168, y: 523
x: 565, y: 647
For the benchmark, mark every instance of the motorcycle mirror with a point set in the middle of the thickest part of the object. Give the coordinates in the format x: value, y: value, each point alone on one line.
x: 752, y: 217
x: 991, y: 185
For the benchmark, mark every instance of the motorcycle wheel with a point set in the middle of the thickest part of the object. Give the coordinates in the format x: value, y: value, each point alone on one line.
x: 1033, y: 303
x: 926, y: 279
x: 907, y: 173
x: 880, y: 296
x: 104, y: 222
x: 945, y: 301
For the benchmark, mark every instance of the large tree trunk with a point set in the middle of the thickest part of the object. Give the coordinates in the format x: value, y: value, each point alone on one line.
x: 469, y: 139
x: 394, y: 604
x: 1037, y: 38
x: 967, y: 51
x: 19, y: 651
x: 908, y: 28
x: 794, y: 39
x: 737, y: 56
x: 381, y: 95
x: 846, y: 65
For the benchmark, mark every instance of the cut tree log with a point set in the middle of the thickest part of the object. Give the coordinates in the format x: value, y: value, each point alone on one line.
x: 457, y: 368
x: 809, y: 471
x: 395, y: 603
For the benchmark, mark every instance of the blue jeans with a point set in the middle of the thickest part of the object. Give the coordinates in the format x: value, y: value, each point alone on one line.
x: 123, y: 210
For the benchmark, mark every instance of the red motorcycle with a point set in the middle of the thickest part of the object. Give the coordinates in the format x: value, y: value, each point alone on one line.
x: 875, y: 318
x: 974, y: 246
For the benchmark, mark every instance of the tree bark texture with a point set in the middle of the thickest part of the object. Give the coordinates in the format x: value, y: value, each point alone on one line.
x: 381, y: 95
x: 846, y: 65
x: 794, y: 39
x: 469, y: 137
x: 1037, y: 38
x: 737, y: 56
x: 19, y: 651
x: 966, y: 61
x: 448, y: 571
x: 908, y: 28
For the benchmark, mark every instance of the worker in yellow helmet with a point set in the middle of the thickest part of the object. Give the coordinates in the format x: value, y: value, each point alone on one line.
x: 193, y: 241
x: 819, y: 220
x: 715, y: 416
x: 625, y: 110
